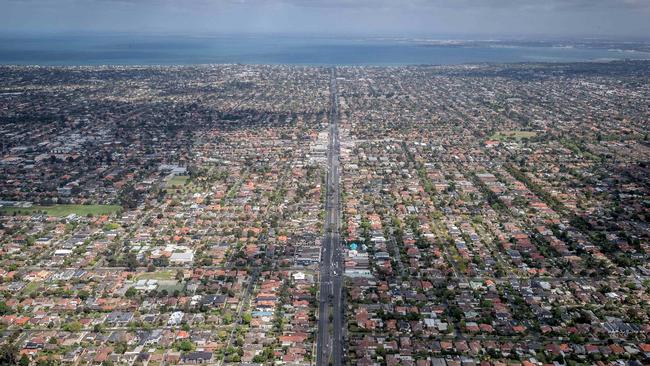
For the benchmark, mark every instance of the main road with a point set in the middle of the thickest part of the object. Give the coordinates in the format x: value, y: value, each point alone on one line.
x: 329, y: 348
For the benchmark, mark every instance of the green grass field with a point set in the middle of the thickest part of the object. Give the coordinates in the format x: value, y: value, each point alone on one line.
x: 31, y: 287
x: 179, y: 180
x: 170, y: 286
x: 513, y: 135
x: 63, y: 210
x: 157, y: 275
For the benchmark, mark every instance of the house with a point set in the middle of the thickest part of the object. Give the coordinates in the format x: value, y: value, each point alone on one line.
x: 175, y: 318
x: 196, y: 357
x: 182, y: 258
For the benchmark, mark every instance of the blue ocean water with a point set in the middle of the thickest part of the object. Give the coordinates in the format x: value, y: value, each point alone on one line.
x: 191, y: 50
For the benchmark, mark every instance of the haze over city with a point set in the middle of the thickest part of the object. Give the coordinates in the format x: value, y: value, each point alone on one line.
x: 485, y: 18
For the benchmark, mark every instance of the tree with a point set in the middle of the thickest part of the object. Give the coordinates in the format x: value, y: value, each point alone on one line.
x: 131, y: 261
x: 259, y: 358
x: 185, y: 346
x: 247, y: 317
x: 5, y: 309
x: 129, y: 197
x: 49, y: 361
x: 9, y: 355
x: 130, y: 292
x: 227, y: 318
x: 24, y: 361
x: 120, y: 347
x: 72, y: 327
x: 161, y: 262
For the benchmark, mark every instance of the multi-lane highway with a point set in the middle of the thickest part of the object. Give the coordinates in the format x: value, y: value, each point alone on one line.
x: 330, y: 319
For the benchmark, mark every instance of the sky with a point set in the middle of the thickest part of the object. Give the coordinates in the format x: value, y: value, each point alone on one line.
x: 483, y: 18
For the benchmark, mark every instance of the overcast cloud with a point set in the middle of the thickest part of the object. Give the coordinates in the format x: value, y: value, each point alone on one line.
x: 385, y: 17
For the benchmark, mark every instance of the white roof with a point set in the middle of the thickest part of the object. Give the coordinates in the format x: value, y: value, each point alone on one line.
x: 182, y: 257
